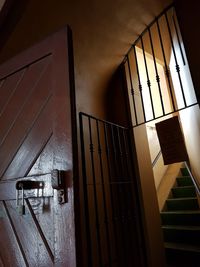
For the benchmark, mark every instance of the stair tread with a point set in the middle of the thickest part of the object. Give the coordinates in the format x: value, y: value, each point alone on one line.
x: 181, y: 211
x: 181, y: 222
x: 184, y: 181
x: 182, y: 246
x: 181, y: 227
x: 182, y: 176
x: 183, y: 187
x: 184, y: 171
x: 181, y: 198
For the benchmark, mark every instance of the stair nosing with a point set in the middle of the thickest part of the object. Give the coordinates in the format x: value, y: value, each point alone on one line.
x: 183, y: 176
x: 181, y: 246
x: 181, y: 198
x: 181, y: 227
x: 181, y: 211
x: 186, y: 186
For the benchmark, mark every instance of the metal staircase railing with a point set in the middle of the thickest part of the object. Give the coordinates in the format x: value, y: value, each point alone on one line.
x: 153, y: 95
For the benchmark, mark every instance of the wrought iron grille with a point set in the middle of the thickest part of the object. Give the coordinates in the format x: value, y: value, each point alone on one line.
x: 157, y: 72
x: 111, y: 208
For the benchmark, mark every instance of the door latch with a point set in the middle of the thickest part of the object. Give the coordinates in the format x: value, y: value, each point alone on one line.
x: 58, y: 183
x: 23, y: 185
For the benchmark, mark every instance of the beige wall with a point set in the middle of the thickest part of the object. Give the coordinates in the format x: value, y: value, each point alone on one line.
x: 167, y: 183
x: 188, y: 15
x: 151, y: 210
x: 156, y: 41
x: 190, y: 117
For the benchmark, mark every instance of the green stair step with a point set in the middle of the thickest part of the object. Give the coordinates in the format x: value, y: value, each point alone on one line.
x: 180, y: 217
x: 182, y: 255
x: 181, y: 224
x: 183, y: 191
x: 182, y: 203
x: 184, y: 172
x: 184, y: 181
x: 182, y: 234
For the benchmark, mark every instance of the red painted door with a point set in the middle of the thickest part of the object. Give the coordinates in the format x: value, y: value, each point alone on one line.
x: 36, y: 131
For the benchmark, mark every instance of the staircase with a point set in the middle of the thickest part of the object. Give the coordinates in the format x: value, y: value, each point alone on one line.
x: 181, y: 224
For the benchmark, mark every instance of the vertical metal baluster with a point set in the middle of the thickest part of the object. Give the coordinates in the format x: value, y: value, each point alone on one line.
x: 132, y: 90
x: 124, y: 195
x: 121, y: 167
x: 117, y: 184
x: 116, y: 166
x: 140, y: 85
x: 178, y: 38
x: 176, y: 61
x: 95, y: 193
x: 85, y: 195
x: 156, y: 70
x: 104, y: 194
x: 121, y: 154
x: 129, y: 199
x: 111, y: 189
x: 148, y: 80
x: 126, y: 154
x: 166, y: 67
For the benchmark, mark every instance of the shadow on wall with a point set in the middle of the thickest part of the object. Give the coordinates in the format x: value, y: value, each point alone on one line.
x: 116, y: 99
x: 9, y: 16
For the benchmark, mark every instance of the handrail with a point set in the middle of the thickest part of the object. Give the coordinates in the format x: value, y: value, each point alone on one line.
x: 141, y: 85
x: 103, y: 121
x: 156, y: 158
x: 196, y: 184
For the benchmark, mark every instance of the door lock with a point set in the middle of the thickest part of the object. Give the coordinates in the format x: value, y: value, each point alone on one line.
x: 58, y: 183
x: 23, y: 185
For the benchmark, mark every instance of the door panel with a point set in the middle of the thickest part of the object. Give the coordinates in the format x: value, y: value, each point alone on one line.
x: 21, y: 97
x: 8, y: 87
x: 11, y: 251
x: 22, y: 116
x: 26, y: 151
x: 36, y: 132
x: 35, y: 250
x: 44, y: 162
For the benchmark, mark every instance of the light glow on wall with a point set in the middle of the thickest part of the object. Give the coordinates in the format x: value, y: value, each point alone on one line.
x: 154, y: 85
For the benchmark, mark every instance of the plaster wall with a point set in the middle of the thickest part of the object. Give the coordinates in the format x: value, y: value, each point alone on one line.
x: 151, y: 209
x: 188, y: 16
x: 189, y: 117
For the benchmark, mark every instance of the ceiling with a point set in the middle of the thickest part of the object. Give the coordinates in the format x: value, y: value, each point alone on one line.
x: 103, y: 31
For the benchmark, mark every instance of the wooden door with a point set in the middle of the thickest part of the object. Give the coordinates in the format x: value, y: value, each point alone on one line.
x: 36, y: 130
